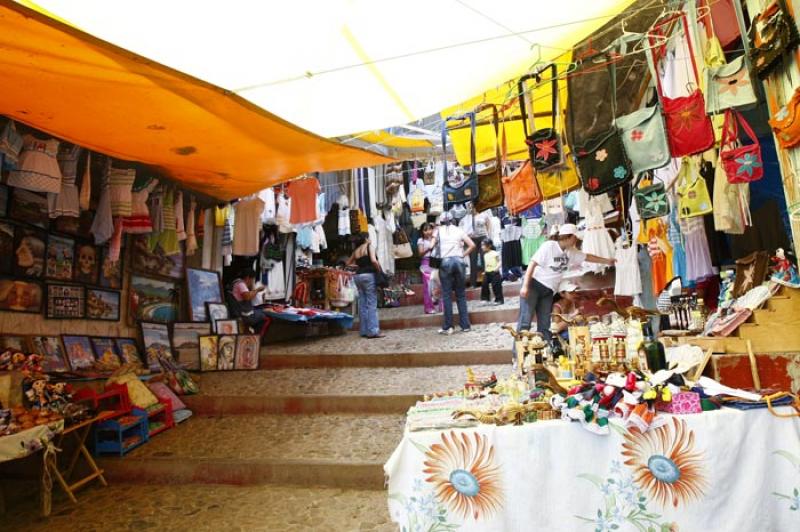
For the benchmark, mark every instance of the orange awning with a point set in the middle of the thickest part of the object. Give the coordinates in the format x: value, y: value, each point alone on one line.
x: 84, y: 90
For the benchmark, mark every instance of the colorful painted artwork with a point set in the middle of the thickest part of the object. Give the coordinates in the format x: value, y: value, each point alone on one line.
x: 226, y: 352
x: 106, y: 354
x: 152, y: 300
x: 247, y: 349
x: 6, y: 247
x: 128, y: 351
x: 209, y: 349
x: 203, y: 287
x: 54, y: 358
x: 15, y: 343
x: 19, y: 295
x: 29, y: 207
x: 186, y: 343
x: 102, y: 304
x: 153, y: 261
x: 226, y: 326
x: 155, y: 338
x: 79, y: 352
x: 216, y: 312
x: 60, y: 258
x: 87, y: 264
x: 110, y: 271
x: 65, y: 301
x: 29, y: 252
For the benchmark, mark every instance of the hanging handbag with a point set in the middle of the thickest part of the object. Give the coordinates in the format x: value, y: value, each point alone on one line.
x: 490, y: 187
x: 520, y: 187
x: 544, y: 145
x: 773, y: 34
x: 602, y: 162
x: 786, y: 122
x: 429, y: 175
x: 728, y: 86
x: 742, y: 164
x: 401, y: 247
x: 468, y: 189
x: 417, y: 200
x: 693, y: 198
x: 650, y: 197
x: 644, y: 137
x: 689, y: 129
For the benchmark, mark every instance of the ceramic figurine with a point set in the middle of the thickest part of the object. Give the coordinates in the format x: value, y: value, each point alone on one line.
x: 784, y: 272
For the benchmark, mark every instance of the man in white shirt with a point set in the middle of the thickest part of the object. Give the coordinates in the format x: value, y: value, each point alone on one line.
x: 454, y: 245
x: 545, y: 271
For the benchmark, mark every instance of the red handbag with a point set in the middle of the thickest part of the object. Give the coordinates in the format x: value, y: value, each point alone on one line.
x: 742, y: 164
x: 689, y: 129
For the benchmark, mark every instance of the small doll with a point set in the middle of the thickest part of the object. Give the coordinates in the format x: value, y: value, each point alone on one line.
x: 36, y: 393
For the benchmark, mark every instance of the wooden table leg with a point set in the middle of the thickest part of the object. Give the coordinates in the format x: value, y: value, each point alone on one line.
x: 80, y: 439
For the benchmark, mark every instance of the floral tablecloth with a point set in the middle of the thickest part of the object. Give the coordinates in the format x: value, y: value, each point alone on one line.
x: 724, y: 470
x: 28, y: 441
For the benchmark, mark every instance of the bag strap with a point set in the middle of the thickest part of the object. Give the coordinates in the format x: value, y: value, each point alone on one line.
x: 472, y: 155
x: 522, y: 107
x: 496, y: 123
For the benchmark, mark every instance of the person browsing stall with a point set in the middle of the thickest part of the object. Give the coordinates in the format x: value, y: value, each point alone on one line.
x: 544, y: 275
x: 367, y: 264
x: 454, y: 246
x: 244, y: 292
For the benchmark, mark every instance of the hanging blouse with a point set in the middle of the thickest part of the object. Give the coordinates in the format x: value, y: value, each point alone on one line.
x: 248, y: 226
x: 139, y: 221
x: 120, y: 182
x: 10, y: 146
x: 66, y: 202
x: 303, y: 195
x: 38, y: 166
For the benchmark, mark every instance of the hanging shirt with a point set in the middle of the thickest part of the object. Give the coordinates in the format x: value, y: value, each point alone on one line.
x: 303, y: 194
x: 268, y: 197
x: 248, y: 226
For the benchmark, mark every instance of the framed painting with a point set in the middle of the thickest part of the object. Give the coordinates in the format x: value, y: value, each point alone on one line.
x: 226, y: 352
x: 203, y: 286
x: 155, y: 339
x: 186, y: 343
x: 247, y: 350
x: 54, y: 358
x: 216, y: 311
x: 29, y: 207
x: 87, y: 263
x: 3, y: 201
x: 15, y: 343
x: 226, y: 326
x: 60, y: 258
x: 65, y: 302
x: 21, y: 295
x: 110, y: 271
x: 102, y: 304
x: 79, y: 352
x: 7, y: 257
x: 154, y: 262
x: 208, y: 352
x: 152, y: 300
x: 106, y: 353
x: 128, y: 351
x: 29, y: 251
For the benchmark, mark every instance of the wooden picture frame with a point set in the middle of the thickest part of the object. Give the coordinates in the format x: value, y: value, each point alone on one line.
x: 152, y: 300
x: 60, y: 258
x: 65, y: 302
x: 80, y: 353
x: 129, y: 351
x: 156, y: 342
x: 226, y: 326
x: 217, y: 311
x: 15, y: 342
x: 247, y: 351
x: 154, y: 263
x: 21, y: 295
x: 7, y: 256
x: 103, y: 305
x: 106, y: 353
x: 208, y: 346
x: 30, y: 248
x: 226, y: 352
x: 202, y: 286
x: 54, y: 356
x: 29, y: 207
x: 185, y: 342
x: 110, y: 272
x: 87, y: 263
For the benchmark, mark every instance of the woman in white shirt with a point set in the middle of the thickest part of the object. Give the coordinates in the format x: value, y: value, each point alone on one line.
x: 454, y: 246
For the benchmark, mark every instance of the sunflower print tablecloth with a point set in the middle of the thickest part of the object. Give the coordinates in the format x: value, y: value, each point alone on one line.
x: 718, y: 471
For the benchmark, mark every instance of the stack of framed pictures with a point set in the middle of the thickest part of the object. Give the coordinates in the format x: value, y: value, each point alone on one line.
x: 81, y: 354
x: 225, y: 352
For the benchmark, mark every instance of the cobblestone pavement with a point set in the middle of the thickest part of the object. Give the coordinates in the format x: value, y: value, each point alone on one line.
x: 339, y: 437
x: 206, y: 508
x: 472, y: 306
x: 421, y: 340
x: 343, y: 381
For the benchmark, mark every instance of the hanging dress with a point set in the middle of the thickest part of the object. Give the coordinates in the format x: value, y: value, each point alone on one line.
x: 66, y: 202
x: 596, y: 240
x: 660, y: 254
x: 38, y: 168
x: 139, y: 222
x: 698, y: 255
x: 628, y: 279
x: 532, y: 238
x: 675, y: 239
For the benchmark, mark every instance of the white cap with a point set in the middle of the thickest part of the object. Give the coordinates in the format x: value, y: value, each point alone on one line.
x: 569, y: 229
x: 567, y: 286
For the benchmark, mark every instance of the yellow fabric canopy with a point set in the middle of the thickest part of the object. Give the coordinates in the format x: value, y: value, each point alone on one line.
x: 84, y: 90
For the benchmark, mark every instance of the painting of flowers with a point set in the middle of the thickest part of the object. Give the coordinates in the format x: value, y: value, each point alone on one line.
x: 665, y: 463
x: 464, y: 474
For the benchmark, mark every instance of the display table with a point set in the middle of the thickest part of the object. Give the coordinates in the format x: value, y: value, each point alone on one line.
x: 723, y: 470
x: 78, y: 433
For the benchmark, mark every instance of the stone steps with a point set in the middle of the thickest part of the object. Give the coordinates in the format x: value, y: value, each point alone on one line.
x: 232, y: 405
x: 378, y: 360
x: 414, y: 317
x: 509, y: 290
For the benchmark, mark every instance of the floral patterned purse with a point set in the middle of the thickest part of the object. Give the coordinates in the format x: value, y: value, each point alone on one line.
x: 645, y: 138
x: 786, y: 122
x: 651, y: 198
x: 729, y: 86
x: 544, y: 145
x: 742, y: 164
x: 773, y: 34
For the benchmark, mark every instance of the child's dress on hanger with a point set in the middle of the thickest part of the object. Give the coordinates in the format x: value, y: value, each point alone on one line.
x: 596, y: 240
x: 628, y: 280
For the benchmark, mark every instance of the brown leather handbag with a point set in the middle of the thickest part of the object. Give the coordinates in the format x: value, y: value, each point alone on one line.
x: 490, y: 187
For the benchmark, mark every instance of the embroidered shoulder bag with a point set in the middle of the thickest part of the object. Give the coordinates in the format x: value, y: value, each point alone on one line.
x: 468, y: 189
x: 742, y: 164
x: 693, y: 198
x: 773, y: 34
x: 645, y: 138
x: 520, y: 187
x: 728, y: 86
x: 689, y: 129
x: 786, y: 122
x: 650, y: 197
x: 490, y: 187
x: 602, y: 162
x: 544, y: 145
